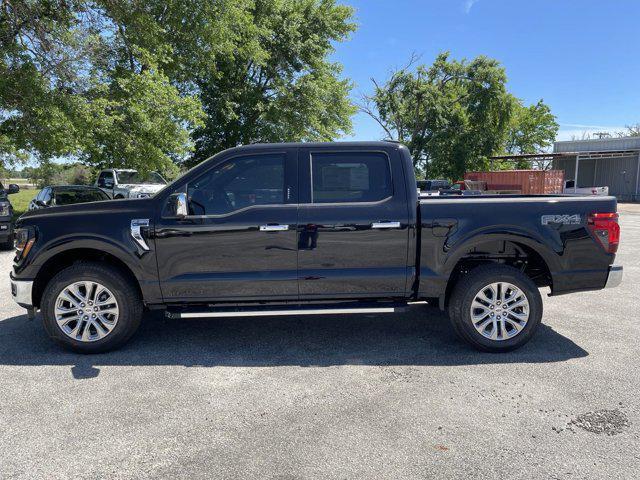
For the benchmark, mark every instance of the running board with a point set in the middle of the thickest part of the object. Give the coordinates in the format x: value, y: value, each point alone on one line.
x: 393, y: 308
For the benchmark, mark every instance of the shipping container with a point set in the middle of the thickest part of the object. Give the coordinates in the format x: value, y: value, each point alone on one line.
x: 527, y: 182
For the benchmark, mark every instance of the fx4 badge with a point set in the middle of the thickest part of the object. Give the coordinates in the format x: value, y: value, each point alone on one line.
x: 561, y: 219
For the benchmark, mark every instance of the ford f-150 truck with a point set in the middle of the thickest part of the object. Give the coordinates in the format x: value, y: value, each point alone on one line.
x: 309, y: 228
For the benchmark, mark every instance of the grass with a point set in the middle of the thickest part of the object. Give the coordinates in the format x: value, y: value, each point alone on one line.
x: 20, y: 201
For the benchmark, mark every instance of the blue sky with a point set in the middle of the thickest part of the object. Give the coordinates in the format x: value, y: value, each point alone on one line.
x: 581, y: 57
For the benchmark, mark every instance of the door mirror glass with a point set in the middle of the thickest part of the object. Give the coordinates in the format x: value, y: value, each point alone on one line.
x: 176, y: 206
x: 13, y: 188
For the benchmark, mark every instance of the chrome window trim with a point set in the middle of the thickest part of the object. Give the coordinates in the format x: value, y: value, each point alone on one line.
x: 268, y: 205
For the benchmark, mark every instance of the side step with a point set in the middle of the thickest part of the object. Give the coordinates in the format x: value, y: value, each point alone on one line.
x: 297, y: 310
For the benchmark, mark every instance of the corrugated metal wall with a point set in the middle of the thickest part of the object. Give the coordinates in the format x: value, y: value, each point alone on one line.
x: 619, y: 174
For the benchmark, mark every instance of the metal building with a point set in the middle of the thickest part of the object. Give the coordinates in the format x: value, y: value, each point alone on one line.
x: 607, y: 162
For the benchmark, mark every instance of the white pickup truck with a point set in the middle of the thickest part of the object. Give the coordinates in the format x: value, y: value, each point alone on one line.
x: 569, y: 187
x: 125, y: 183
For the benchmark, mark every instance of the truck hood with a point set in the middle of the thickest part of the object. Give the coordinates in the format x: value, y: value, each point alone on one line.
x: 142, y: 207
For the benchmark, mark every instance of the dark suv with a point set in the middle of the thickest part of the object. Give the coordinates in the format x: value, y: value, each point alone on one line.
x: 6, y: 216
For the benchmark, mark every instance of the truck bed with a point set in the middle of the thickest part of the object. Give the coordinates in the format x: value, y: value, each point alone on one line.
x: 553, y: 226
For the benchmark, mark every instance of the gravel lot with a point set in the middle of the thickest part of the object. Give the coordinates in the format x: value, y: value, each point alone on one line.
x: 337, y: 397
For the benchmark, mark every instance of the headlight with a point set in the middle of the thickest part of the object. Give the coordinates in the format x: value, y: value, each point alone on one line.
x: 5, y: 208
x: 24, y: 240
x: 143, y: 195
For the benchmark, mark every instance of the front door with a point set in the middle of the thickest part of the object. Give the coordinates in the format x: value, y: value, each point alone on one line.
x: 239, y: 240
x: 353, y: 224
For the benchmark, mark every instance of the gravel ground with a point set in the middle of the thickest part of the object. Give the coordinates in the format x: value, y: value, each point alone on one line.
x: 337, y: 397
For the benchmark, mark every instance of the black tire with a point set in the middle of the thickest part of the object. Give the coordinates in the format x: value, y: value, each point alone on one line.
x: 465, y: 291
x: 124, y: 290
x: 118, y: 197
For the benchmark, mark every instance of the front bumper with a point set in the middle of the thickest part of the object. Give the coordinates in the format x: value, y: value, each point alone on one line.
x: 21, y: 291
x: 615, y: 276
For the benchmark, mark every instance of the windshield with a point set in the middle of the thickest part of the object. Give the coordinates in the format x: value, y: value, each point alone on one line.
x: 70, y: 196
x: 137, y: 178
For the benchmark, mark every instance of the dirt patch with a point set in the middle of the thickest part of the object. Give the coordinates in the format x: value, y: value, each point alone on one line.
x: 609, y: 422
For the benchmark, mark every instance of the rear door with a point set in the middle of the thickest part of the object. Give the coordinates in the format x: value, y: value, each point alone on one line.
x: 239, y: 240
x: 353, y: 224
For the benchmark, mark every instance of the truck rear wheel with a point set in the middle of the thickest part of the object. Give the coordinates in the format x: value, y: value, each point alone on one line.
x: 495, y: 308
x: 91, y: 308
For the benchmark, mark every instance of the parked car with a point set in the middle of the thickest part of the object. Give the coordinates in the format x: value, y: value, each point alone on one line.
x: 125, y: 183
x: 6, y: 215
x: 570, y: 184
x: 432, y: 187
x: 66, y: 195
x: 307, y: 229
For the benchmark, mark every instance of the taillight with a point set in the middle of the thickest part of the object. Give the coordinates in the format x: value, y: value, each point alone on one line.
x: 606, y: 229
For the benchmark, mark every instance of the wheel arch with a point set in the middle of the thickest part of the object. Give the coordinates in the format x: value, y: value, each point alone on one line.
x: 527, y: 254
x: 68, y: 257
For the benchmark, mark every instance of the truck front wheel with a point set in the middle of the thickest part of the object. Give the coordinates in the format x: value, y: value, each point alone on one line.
x: 495, y: 308
x: 91, y: 308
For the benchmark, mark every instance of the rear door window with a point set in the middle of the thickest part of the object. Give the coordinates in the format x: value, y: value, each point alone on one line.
x: 349, y: 177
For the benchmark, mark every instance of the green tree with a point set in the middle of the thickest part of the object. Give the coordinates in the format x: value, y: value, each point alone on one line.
x: 532, y: 130
x: 72, y: 83
x: 120, y: 82
x: 453, y: 115
x: 280, y: 86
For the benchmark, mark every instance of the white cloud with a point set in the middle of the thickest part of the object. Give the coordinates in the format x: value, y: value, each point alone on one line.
x: 468, y: 5
x: 579, y: 131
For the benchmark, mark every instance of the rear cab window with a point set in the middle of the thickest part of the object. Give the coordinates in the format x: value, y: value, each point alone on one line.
x: 350, y: 177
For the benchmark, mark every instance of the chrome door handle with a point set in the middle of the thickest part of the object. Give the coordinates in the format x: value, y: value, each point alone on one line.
x: 270, y: 227
x: 385, y: 225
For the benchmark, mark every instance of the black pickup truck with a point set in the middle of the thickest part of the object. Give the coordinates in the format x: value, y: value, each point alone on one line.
x: 303, y: 229
x: 6, y: 216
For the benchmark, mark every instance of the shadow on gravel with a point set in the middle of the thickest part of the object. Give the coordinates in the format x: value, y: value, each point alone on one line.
x: 421, y: 337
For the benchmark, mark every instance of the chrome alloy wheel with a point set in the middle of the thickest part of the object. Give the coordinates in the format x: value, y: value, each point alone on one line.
x: 499, y: 311
x: 86, y: 311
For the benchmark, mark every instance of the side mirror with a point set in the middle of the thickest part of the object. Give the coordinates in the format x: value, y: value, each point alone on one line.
x: 177, y: 206
x: 13, y: 188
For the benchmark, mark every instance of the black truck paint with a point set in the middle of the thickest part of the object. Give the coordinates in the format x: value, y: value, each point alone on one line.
x: 398, y: 249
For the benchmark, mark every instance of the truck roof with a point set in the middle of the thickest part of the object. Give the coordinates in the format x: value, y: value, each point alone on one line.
x: 367, y: 144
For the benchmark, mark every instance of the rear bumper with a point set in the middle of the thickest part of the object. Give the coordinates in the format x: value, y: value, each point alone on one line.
x: 615, y: 276
x: 21, y: 291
